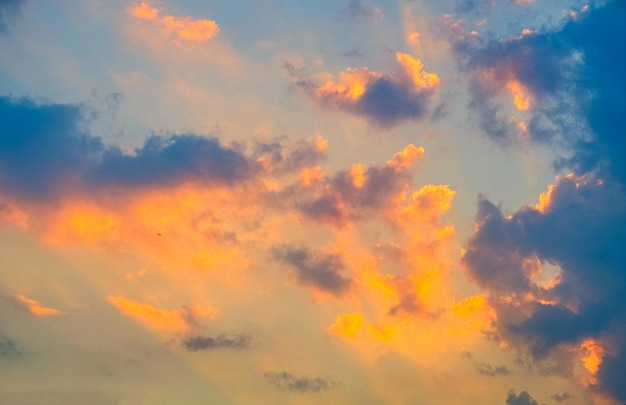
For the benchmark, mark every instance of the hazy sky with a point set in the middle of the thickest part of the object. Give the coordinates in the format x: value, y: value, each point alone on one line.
x: 302, y: 202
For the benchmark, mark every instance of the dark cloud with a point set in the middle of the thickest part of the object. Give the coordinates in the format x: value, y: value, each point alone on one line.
x: 173, y: 159
x: 314, y: 268
x: 196, y: 343
x: 359, y: 10
x: 581, y: 230
x: 561, y: 397
x: 523, y: 398
x: 492, y: 371
x: 45, y: 150
x: 8, y: 10
x: 575, y: 76
x: 288, y: 382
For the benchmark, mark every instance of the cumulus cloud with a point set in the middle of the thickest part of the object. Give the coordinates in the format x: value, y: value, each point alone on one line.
x: 384, y: 99
x: 359, y: 10
x: 314, y: 268
x: 523, y: 398
x: 196, y: 343
x: 288, y: 382
x: 184, y: 28
x: 579, y: 227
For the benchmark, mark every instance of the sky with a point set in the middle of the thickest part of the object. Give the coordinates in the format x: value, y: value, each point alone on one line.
x: 301, y: 202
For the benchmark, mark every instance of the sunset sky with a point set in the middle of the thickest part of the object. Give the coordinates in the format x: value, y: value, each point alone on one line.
x: 417, y: 202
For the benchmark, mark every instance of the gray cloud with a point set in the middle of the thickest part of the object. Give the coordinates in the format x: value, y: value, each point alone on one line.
x: 523, y: 398
x: 288, y: 382
x: 196, y: 343
x: 314, y: 268
x: 9, y: 349
x: 561, y: 397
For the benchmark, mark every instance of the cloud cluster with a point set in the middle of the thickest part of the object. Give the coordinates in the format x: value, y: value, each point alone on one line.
x: 356, y: 194
x: 384, y: 99
x: 555, y: 271
x: 184, y: 28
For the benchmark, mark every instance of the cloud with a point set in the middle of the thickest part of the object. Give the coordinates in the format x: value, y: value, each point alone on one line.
x: 8, y: 9
x: 579, y: 228
x: 35, y: 307
x: 568, y: 81
x: 196, y: 343
x: 278, y: 160
x: 288, y: 382
x: 359, y: 10
x: 358, y: 193
x: 184, y: 28
x: 181, y: 319
x: 523, y: 398
x: 561, y: 397
x: 384, y: 99
x: 314, y: 268
x: 492, y: 371
x: 45, y: 150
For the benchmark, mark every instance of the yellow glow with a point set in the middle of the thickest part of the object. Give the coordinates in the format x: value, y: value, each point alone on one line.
x: 161, y: 319
x: 413, y: 67
x: 321, y: 143
x: 357, y: 173
x: 406, y: 158
x: 35, y: 307
x: 144, y: 11
x: 593, y: 355
x: 185, y: 28
x: 310, y: 175
x: 521, y: 96
x: 347, y: 325
x: 192, y: 30
x: 84, y: 221
x: 209, y: 259
x: 351, y: 85
x: 475, y: 314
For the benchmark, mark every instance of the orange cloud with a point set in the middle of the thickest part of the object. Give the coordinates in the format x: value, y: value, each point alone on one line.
x: 185, y: 28
x: 35, y: 307
x: 181, y: 319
